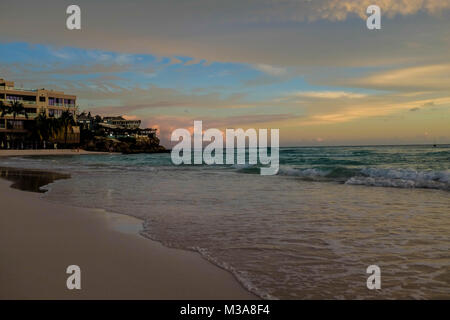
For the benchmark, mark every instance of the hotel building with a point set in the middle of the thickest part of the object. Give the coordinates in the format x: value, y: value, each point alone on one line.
x: 53, y: 103
x: 121, y: 122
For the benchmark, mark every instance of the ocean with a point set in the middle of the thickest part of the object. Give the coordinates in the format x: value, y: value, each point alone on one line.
x: 309, y: 232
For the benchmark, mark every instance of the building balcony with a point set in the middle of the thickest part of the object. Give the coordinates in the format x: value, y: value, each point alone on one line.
x: 12, y: 126
x: 31, y: 115
x: 24, y: 90
x: 62, y: 105
x: 15, y: 125
x: 21, y: 101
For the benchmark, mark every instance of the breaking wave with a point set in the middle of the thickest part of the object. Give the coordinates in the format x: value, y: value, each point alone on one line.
x: 379, y: 177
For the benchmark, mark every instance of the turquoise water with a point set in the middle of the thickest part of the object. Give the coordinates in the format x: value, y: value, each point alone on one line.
x: 309, y: 232
x: 389, y: 166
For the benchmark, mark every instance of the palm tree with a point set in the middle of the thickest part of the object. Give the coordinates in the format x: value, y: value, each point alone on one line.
x: 17, y: 108
x: 41, y: 127
x: 45, y: 127
x: 4, y: 109
x: 66, y: 121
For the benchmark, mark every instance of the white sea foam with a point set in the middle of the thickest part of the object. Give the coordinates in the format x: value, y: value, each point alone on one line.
x: 380, y: 177
x: 309, y: 173
x: 239, y: 275
x: 402, y: 178
x: 409, y: 174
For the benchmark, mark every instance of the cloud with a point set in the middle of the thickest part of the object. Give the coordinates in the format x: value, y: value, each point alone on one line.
x: 373, y: 107
x: 269, y: 34
x: 426, y: 77
x: 61, y: 55
x: 329, y: 94
x: 167, y: 124
x: 319, y: 51
x: 130, y: 117
x: 340, y: 10
x: 118, y: 110
x: 321, y: 108
x: 271, y: 70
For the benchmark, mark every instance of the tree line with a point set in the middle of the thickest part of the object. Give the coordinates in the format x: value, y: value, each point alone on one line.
x: 44, y: 128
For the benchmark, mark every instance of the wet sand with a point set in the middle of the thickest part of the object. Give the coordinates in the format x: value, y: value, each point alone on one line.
x: 30, y: 180
x: 40, y: 239
x: 47, y: 152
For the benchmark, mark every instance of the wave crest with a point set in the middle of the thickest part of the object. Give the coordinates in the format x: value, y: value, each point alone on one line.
x: 380, y: 177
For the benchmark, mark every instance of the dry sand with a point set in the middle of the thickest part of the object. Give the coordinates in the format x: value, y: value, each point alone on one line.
x: 39, y: 239
x: 46, y: 152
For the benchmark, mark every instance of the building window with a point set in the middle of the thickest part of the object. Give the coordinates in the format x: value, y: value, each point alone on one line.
x: 68, y: 102
x: 12, y: 98
x: 15, y: 124
x: 54, y: 113
x: 42, y: 99
x: 31, y: 110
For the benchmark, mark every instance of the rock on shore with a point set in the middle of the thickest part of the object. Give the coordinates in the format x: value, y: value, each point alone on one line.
x: 126, y: 145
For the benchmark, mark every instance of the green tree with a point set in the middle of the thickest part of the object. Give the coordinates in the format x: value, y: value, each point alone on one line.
x: 4, y: 109
x: 17, y: 108
x: 45, y: 128
x: 66, y: 121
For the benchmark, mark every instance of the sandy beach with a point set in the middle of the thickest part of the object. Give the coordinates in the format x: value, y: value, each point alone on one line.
x: 46, y: 152
x: 40, y: 239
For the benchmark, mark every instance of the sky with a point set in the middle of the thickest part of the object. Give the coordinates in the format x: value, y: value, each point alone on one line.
x: 309, y: 68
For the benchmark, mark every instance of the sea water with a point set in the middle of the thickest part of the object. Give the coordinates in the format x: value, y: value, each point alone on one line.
x: 309, y: 232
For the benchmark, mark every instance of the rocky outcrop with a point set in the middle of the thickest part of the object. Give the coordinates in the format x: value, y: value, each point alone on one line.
x: 127, y: 145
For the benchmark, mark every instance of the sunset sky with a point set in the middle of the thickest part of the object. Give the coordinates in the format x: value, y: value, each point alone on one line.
x: 310, y: 68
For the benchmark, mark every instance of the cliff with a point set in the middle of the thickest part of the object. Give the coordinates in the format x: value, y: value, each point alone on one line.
x: 125, y: 145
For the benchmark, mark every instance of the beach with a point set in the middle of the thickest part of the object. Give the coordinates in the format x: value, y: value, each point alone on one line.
x: 309, y: 232
x: 39, y: 240
x: 47, y: 152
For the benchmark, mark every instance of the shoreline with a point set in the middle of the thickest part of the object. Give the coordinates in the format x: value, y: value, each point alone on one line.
x: 48, y: 152
x: 41, y: 238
